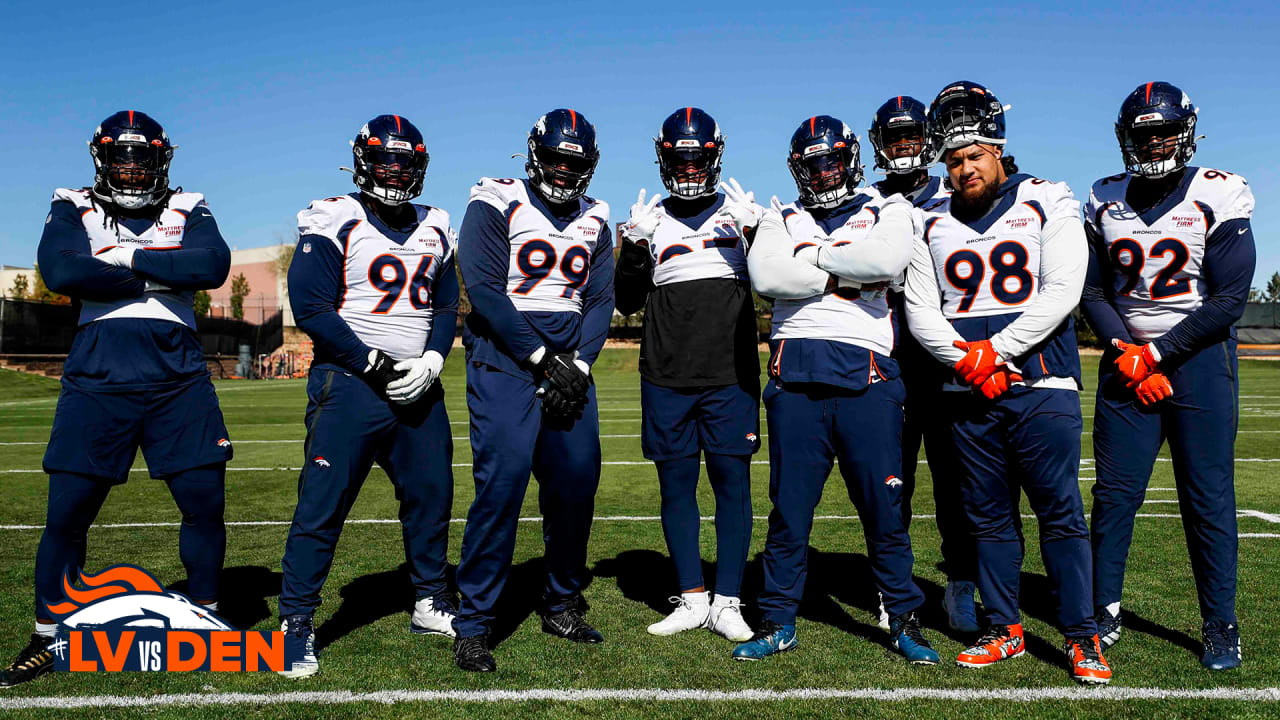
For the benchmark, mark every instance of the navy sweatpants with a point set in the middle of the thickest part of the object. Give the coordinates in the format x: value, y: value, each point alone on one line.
x: 348, y: 429
x: 1029, y: 438
x: 925, y: 422
x: 1200, y: 423
x: 811, y: 426
x: 679, y: 424
x: 510, y: 439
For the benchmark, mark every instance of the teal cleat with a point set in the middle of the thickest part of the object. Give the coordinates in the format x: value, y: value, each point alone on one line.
x: 909, y: 640
x: 770, y: 639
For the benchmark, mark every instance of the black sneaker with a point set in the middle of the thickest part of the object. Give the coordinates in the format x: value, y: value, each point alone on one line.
x: 1109, y: 627
x: 35, y: 660
x: 571, y: 624
x: 472, y: 654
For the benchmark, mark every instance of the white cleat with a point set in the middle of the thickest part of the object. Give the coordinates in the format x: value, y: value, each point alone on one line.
x: 299, y: 638
x: 691, y: 612
x: 726, y: 620
x: 432, y: 616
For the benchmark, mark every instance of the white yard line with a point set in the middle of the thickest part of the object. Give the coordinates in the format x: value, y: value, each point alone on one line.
x: 598, y: 518
x: 388, y: 697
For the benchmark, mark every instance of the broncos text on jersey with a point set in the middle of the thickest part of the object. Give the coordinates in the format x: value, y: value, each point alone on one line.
x: 683, y: 251
x: 1156, y: 257
x: 991, y: 266
x: 387, y: 301
x: 550, y: 261
x: 165, y: 233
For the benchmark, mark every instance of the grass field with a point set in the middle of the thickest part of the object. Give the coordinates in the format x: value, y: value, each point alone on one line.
x: 363, y: 624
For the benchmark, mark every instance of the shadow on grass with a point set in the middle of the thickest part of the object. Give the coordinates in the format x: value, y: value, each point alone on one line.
x: 245, y: 590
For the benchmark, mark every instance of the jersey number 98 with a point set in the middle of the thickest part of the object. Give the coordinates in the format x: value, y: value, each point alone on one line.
x: 1011, y: 283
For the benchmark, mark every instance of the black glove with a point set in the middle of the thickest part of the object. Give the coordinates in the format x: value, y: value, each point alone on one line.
x: 557, y: 404
x: 380, y: 371
x: 564, y: 375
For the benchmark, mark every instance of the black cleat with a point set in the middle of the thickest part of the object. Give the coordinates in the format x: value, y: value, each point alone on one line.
x: 1109, y: 628
x: 571, y: 624
x: 472, y: 654
x: 35, y: 660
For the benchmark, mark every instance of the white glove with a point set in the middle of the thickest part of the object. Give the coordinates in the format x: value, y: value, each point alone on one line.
x: 422, y: 371
x: 644, y: 220
x: 739, y: 206
x: 775, y: 204
x: 117, y: 255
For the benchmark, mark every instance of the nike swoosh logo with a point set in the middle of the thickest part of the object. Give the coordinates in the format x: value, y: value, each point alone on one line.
x: 1242, y: 231
x: 787, y: 644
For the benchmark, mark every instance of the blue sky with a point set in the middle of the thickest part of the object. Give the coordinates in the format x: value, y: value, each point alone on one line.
x: 262, y: 98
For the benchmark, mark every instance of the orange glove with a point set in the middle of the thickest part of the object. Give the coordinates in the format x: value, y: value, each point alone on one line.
x: 999, y: 381
x: 1154, y: 389
x: 1135, y: 362
x: 979, y: 362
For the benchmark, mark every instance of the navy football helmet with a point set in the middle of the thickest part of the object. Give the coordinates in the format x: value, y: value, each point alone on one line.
x: 131, y: 155
x: 390, y: 159
x: 824, y: 161
x: 965, y: 113
x: 902, y: 124
x: 562, y: 155
x: 689, y: 148
x: 1156, y: 128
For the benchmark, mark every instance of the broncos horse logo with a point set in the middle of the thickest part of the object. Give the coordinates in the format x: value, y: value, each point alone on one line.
x: 128, y: 596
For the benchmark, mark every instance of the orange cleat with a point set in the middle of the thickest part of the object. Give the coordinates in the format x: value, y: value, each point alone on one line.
x: 1084, y: 657
x: 1001, y: 642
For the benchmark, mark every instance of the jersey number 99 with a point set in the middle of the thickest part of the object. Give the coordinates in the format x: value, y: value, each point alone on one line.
x: 537, y: 259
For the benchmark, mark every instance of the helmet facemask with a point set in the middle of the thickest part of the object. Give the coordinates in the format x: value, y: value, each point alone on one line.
x: 1154, y: 147
x: 559, y: 174
x: 903, y: 148
x: 826, y: 177
x: 394, y: 173
x: 131, y: 174
x: 688, y: 169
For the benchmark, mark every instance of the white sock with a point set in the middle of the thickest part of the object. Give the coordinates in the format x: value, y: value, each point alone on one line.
x: 701, y: 597
x: 1114, y: 608
x: 46, y: 629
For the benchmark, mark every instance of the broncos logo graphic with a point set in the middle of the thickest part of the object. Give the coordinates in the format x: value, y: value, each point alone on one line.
x: 126, y: 596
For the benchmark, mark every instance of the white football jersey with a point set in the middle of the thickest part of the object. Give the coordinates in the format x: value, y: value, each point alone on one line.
x: 848, y: 315
x: 1156, y: 258
x: 387, y: 302
x: 550, y: 262
x: 992, y: 266
x: 164, y: 234
x: 682, y: 252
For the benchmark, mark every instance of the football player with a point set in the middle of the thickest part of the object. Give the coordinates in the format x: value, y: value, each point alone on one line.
x: 1171, y: 258
x: 990, y: 292
x: 373, y: 282
x: 132, y: 252
x: 834, y: 392
x: 905, y: 149
x: 537, y: 260
x: 683, y: 261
